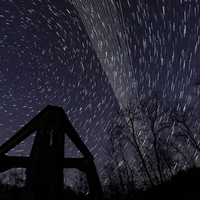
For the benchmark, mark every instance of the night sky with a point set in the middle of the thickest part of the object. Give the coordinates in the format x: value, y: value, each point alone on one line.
x: 86, y: 55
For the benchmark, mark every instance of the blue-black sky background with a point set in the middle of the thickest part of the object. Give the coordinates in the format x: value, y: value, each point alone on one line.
x: 49, y: 57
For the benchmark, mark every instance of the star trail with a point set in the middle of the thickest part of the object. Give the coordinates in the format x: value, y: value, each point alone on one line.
x: 46, y: 58
x: 86, y: 56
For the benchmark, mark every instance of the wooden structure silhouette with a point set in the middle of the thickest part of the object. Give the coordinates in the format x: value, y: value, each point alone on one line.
x: 44, y: 166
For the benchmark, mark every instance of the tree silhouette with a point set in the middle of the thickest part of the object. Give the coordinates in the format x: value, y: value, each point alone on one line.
x: 149, y: 141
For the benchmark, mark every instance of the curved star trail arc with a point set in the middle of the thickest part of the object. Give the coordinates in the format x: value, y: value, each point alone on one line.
x: 82, y: 54
x: 47, y: 58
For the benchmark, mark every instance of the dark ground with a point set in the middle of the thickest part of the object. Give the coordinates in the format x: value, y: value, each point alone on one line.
x: 184, y: 185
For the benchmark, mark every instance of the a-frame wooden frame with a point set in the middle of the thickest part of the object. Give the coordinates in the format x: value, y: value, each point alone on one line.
x: 44, y: 166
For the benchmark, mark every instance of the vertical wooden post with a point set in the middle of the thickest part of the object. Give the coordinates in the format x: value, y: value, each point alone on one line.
x: 93, y: 180
x: 45, y: 167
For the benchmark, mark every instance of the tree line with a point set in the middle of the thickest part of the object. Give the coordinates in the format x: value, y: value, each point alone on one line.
x: 149, y: 143
x: 150, y: 140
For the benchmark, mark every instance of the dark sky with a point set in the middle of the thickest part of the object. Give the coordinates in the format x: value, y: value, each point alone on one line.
x: 86, y: 55
x: 47, y: 58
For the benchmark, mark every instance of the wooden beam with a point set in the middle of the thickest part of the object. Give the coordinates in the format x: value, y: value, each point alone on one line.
x: 74, y: 137
x: 9, y: 162
x: 29, y: 128
x: 37, y: 122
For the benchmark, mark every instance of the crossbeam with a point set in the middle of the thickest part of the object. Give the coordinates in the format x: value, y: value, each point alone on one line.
x: 44, y: 166
x: 33, y: 125
x: 9, y: 162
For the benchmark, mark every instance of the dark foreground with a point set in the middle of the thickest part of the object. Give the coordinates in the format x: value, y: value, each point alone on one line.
x: 185, y: 186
